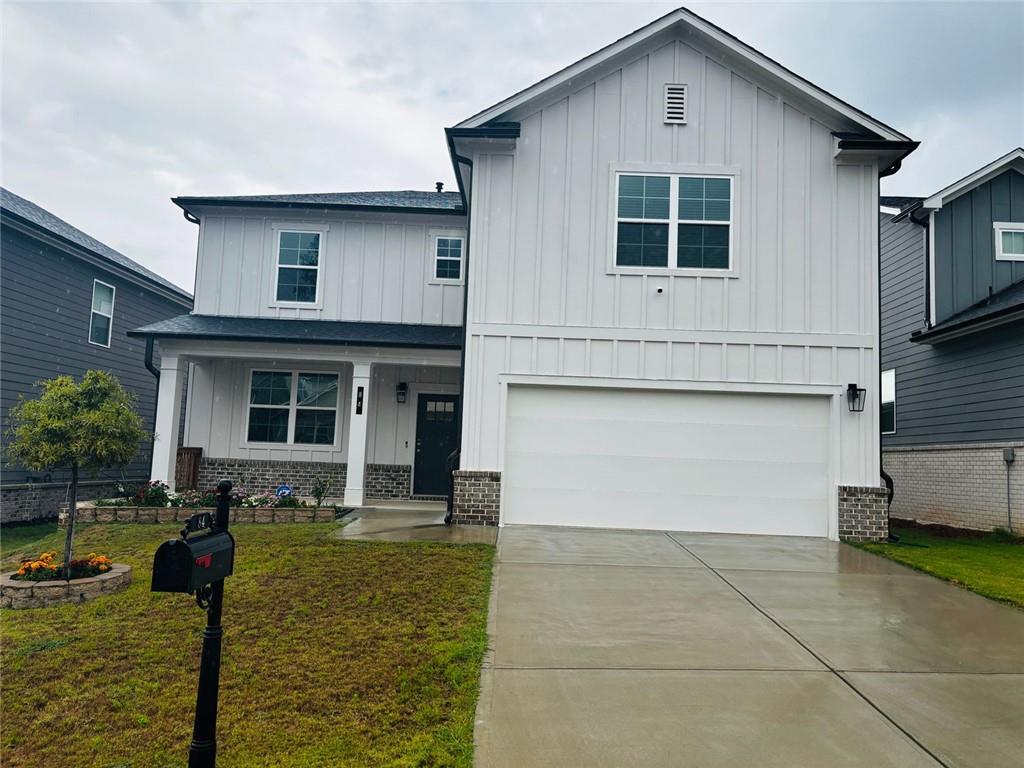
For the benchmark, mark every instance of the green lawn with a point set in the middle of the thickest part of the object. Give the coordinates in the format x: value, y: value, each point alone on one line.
x: 991, y: 565
x: 336, y: 653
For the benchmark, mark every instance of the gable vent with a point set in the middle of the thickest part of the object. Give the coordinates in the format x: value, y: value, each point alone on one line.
x: 675, y: 104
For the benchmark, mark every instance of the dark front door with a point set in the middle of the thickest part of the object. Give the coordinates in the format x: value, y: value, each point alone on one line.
x: 436, y: 437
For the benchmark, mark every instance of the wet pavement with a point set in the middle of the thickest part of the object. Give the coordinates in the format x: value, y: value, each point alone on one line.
x: 613, y: 648
x: 411, y: 521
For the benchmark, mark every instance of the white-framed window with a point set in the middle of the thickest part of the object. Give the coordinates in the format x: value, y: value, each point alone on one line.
x: 673, y: 221
x: 888, y: 413
x: 101, y: 318
x: 448, y: 253
x: 292, y: 407
x: 1009, y: 240
x: 298, y: 267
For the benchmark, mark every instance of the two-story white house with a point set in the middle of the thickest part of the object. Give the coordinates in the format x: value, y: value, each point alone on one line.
x: 669, y: 256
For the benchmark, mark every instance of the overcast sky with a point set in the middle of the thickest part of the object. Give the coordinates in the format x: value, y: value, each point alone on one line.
x: 110, y: 109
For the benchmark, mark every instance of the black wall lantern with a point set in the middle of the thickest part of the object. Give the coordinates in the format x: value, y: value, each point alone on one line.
x: 855, y: 397
x: 402, y: 392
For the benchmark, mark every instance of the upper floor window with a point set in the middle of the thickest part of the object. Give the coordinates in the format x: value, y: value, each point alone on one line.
x: 101, y: 318
x: 1009, y: 240
x: 448, y: 258
x: 298, y: 267
x: 889, y: 402
x: 673, y: 221
x: 292, y: 407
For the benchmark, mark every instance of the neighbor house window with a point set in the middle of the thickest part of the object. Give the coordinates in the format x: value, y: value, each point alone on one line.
x: 298, y: 267
x: 101, y: 319
x: 448, y: 258
x: 292, y: 407
x: 1009, y: 240
x: 671, y: 221
x: 888, y: 402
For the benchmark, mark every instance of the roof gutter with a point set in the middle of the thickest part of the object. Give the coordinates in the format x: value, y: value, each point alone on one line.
x: 965, y: 327
x: 186, y: 204
x: 866, y: 144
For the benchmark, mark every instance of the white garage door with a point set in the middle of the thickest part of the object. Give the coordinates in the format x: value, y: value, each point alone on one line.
x: 684, y: 461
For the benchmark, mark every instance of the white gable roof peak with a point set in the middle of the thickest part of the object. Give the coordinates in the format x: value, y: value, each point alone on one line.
x: 1012, y: 159
x: 714, y: 34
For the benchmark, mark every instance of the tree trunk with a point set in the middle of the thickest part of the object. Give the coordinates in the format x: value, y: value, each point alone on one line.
x: 72, y: 511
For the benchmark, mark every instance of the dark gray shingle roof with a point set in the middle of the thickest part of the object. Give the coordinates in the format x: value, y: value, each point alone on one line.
x: 400, y: 200
x: 1006, y: 301
x: 43, y: 219
x: 304, y: 331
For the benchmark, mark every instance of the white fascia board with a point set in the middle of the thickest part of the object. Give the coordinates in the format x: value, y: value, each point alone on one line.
x: 1013, y: 159
x: 712, y: 33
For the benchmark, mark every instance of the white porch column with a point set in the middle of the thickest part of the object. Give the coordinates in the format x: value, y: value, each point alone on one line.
x: 358, y: 414
x: 168, y: 414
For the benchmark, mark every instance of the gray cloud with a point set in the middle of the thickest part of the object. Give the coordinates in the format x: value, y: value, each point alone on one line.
x: 108, y: 110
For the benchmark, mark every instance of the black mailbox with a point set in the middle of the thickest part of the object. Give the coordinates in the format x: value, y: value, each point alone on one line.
x: 185, y: 565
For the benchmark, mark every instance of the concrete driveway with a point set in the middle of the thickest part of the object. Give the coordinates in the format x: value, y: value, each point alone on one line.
x: 636, y: 648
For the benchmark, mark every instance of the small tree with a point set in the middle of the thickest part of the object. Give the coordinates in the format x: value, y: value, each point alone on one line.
x: 88, y: 425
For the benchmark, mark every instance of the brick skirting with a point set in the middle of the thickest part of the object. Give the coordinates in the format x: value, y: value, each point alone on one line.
x: 477, y: 497
x: 957, y: 485
x: 863, y: 513
x: 381, y: 481
x: 26, y: 502
x: 256, y: 475
x: 388, y: 481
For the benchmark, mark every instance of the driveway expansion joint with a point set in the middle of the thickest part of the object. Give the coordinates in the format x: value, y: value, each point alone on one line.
x: 821, y: 659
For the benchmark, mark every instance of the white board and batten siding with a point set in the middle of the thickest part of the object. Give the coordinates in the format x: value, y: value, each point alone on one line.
x: 798, y: 309
x: 373, y: 267
x: 218, y: 397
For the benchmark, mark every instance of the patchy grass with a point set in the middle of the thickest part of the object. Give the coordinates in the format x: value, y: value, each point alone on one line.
x: 335, y: 653
x: 989, y: 564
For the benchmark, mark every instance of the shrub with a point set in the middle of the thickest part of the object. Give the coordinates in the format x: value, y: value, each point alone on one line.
x: 153, y: 494
x: 45, y: 567
x: 321, y: 488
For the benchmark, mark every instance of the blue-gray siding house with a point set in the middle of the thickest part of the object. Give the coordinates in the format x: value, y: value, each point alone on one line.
x: 66, y: 304
x: 952, y: 352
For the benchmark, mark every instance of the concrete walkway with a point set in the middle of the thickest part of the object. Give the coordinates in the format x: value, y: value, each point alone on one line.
x: 411, y: 521
x: 652, y: 649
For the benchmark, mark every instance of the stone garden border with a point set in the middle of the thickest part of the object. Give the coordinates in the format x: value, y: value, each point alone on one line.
x: 16, y: 593
x: 181, y: 514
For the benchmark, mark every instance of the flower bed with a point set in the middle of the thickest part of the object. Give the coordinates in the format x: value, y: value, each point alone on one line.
x: 46, y: 568
x: 26, y: 593
x: 180, y: 514
x: 153, y: 503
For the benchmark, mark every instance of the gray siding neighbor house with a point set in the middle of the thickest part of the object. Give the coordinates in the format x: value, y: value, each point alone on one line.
x: 952, y: 356
x: 67, y: 301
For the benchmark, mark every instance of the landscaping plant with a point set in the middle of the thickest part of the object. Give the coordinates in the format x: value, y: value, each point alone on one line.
x: 321, y: 488
x: 43, y: 568
x: 88, y: 425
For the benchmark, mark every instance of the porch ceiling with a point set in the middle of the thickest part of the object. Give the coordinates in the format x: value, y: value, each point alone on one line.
x: 263, y: 329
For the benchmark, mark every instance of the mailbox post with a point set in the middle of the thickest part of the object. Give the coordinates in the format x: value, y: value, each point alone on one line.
x: 199, y: 565
x: 202, y: 753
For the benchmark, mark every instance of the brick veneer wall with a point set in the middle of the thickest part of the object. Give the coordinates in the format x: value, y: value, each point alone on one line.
x: 254, y: 475
x: 23, y: 503
x: 388, y: 481
x: 382, y: 481
x: 863, y: 515
x: 477, y: 497
x: 957, y: 485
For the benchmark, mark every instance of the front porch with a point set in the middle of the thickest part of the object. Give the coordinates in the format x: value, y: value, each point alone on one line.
x: 374, y: 422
